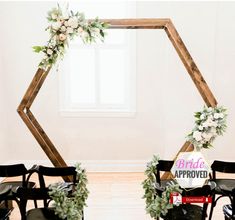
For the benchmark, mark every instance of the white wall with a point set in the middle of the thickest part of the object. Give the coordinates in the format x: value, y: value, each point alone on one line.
x: 166, y: 98
x: 3, y: 121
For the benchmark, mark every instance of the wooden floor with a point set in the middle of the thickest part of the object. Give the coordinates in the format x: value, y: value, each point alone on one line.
x: 117, y: 196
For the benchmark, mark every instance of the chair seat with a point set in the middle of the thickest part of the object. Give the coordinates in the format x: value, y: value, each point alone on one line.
x: 224, y: 185
x: 42, y: 214
x: 184, y: 212
x: 4, y: 213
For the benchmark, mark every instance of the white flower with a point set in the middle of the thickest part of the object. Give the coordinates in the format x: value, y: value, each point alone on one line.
x: 207, y: 136
x: 66, y: 24
x: 200, y: 127
x: 80, y: 30
x: 54, y: 16
x: 49, y: 51
x: 69, y: 30
x: 210, y: 109
x: 209, y: 123
x: 73, y: 22
x: 96, y: 30
x: 63, y: 29
x: 217, y: 115
x: 210, y: 117
x: 213, y: 131
x: 56, y: 26
x: 221, y: 115
x: 197, y: 135
x: 84, y: 35
x: 202, y: 117
x: 62, y: 37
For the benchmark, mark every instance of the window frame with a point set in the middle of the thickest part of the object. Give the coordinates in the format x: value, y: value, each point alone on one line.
x: 68, y: 109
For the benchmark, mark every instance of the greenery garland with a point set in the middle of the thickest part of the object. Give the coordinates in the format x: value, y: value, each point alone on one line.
x: 157, y: 205
x: 209, y: 123
x: 70, y: 207
x: 63, y: 27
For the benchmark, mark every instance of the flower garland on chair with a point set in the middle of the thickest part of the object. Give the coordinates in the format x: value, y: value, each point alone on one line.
x: 64, y: 26
x: 70, y: 207
x: 157, y: 205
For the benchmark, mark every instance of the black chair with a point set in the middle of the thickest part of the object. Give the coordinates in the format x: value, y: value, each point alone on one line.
x: 224, y: 187
x: 4, y: 212
x: 43, y: 171
x: 190, y: 211
x: 229, y: 210
x: 16, y: 170
x: 163, y: 166
x: 42, y: 213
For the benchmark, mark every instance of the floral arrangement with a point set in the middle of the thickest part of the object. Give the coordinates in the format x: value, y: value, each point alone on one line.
x: 70, y: 207
x: 63, y: 27
x: 157, y: 205
x: 209, y: 123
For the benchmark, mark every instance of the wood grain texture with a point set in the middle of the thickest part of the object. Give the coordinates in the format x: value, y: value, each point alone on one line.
x: 174, y: 37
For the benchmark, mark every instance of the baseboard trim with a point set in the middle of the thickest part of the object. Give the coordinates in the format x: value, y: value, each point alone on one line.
x: 94, y: 165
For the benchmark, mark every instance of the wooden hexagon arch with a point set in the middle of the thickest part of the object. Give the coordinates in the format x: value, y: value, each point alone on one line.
x: 40, y: 76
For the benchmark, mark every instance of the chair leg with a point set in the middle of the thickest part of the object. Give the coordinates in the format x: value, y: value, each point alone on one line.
x: 204, y: 210
x: 212, y: 207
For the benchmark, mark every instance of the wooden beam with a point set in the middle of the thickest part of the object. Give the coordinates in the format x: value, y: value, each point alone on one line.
x: 40, y: 76
x: 190, y: 65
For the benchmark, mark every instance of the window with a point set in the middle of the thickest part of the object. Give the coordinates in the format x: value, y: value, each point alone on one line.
x: 99, y: 79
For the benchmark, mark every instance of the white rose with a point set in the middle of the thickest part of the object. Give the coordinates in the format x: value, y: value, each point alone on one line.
x: 213, y: 131
x: 56, y: 26
x: 205, y: 124
x: 69, y: 30
x: 197, y: 135
x: 221, y: 115
x: 63, y: 29
x: 202, y: 117
x: 62, y: 37
x: 209, y: 109
x: 84, y: 34
x: 80, y: 30
x: 49, y: 51
x: 216, y: 115
x: 210, y: 117
x: 66, y: 24
x: 200, y: 127
x: 207, y: 136
x: 96, y: 30
x: 54, y: 16
x: 73, y: 22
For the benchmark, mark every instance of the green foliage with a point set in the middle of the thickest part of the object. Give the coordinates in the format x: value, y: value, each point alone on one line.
x: 37, y: 49
x: 63, y: 27
x: 70, y: 207
x: 157, y: 205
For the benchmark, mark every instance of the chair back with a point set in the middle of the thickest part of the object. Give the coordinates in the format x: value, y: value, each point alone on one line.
x: 163, y: 166
x: 223, y: 167
x: 44, y: 171
x: 13, y: 171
